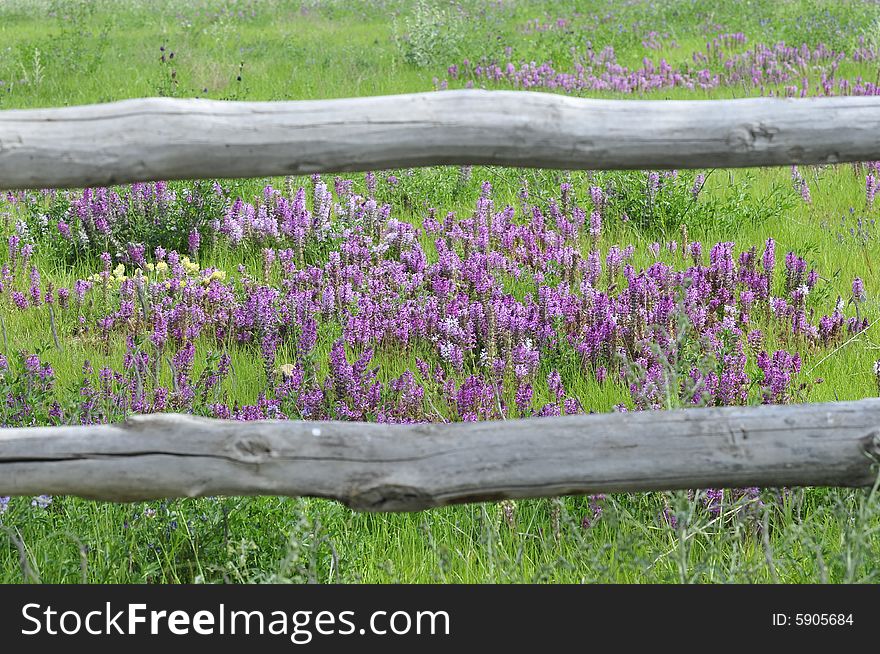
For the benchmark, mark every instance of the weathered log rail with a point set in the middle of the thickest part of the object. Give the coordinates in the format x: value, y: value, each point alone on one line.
x: 380, y: 467
x: 164, y: 138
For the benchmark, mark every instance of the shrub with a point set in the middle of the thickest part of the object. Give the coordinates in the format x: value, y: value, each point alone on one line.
x: 429, y: 35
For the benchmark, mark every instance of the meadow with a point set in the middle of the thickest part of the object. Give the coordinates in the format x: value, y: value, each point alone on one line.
x: 444, y: 293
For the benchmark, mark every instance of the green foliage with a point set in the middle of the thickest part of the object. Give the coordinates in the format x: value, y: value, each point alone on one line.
x: 148, y: 221
x: 27, y: 389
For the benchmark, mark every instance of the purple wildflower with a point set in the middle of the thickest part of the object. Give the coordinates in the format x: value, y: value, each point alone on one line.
x: 858, y: 290
x: 42, y: 501
x: 194, y: 240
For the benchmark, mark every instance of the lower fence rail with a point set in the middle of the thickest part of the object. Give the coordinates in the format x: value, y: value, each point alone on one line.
x: 389, y: 467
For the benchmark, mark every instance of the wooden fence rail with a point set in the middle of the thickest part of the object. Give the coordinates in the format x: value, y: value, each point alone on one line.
x: 163, y: 138
x: 380, y: 467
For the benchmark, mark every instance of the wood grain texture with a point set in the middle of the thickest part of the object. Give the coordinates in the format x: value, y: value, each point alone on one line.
x: 379, y: 467
x: 164, y: 138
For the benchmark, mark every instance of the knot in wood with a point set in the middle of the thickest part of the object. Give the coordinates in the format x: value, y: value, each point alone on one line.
x: 871, y: 444
x: 390, y: 497
x: 252, y: 449
x: 748, y: 137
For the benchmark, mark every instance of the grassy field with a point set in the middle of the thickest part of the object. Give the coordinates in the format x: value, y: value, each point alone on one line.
x: 65, y: 52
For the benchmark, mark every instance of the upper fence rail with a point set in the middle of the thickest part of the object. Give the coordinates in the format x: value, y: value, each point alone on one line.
x: 163, y: 139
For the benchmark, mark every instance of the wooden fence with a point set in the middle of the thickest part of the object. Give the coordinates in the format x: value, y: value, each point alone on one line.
x: 383, y: 467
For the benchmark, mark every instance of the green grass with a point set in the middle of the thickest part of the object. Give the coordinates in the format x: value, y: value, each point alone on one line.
x: 811, y: 536
x: 108, y: 50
